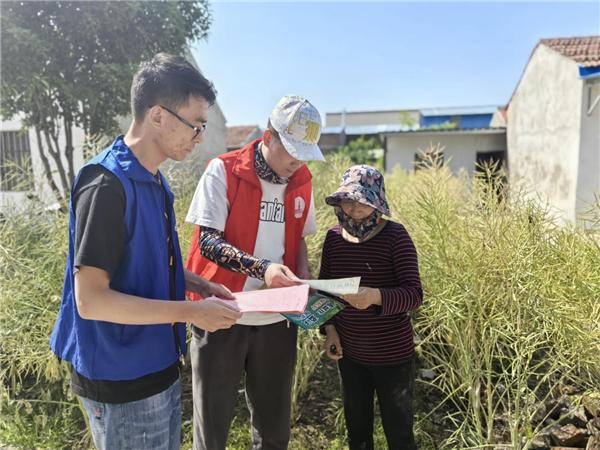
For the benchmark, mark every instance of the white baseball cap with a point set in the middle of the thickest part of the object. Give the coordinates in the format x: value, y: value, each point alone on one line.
x: 298, y: 124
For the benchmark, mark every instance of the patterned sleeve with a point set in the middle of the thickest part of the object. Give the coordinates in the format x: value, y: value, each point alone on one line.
x: 215, y: 248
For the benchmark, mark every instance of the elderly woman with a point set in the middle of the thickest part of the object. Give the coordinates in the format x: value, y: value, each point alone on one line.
x: 372, y: 338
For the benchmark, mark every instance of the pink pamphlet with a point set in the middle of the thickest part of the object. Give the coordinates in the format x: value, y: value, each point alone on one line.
x: 280, y: 300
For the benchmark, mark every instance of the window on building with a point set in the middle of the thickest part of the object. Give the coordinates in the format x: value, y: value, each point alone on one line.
x: 15, y: 161
x: 491, y: 168
x: 497, y: 159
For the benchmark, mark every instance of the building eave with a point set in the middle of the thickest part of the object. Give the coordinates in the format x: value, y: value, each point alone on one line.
x: 427, y: 132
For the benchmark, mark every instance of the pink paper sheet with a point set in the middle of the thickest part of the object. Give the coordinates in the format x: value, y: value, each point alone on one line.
x: 280, y: 300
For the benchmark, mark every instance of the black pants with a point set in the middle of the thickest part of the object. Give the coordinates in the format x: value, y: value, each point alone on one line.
x: 394, y: 386
x: 265, y: 356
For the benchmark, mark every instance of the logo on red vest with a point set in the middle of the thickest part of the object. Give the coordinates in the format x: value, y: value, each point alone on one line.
x: 299, y: 205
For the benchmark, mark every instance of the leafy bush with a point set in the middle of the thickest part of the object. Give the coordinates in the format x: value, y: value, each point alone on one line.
x: 362, y: 150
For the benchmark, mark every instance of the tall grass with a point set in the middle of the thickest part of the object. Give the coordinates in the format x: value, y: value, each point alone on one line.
x: 36, y: 406
x: 511, y: 311
x: 512, y: 303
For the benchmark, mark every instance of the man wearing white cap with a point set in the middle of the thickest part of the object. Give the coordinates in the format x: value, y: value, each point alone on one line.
x: 252, y: 209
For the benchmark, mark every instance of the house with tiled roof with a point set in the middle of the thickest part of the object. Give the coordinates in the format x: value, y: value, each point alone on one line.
x: 553, y: 125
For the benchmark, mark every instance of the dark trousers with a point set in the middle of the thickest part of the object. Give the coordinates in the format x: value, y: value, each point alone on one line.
x: 394, y: 386
x: 266, y: 356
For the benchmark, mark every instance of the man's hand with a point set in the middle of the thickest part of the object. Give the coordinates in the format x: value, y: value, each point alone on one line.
x: 97, y: 301
x: 211, y: 289
x: 364, y: 298
x: 212, y: 314
x: 278, y: 275
x: 333, y: 346
x: 205, y: 288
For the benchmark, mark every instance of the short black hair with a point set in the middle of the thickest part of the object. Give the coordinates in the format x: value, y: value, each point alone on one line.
x: 167, y: 80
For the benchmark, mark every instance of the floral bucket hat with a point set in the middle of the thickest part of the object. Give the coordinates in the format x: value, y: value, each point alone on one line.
x: 363, y: 184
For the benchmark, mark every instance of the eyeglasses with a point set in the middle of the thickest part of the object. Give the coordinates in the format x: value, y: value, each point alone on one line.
x: 198, y: 130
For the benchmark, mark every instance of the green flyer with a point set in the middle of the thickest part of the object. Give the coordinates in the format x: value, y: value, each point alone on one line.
x: 319, y: 309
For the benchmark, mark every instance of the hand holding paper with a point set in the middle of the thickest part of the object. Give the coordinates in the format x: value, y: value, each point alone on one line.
x: 212, y: 314
x: 365, y: 297
x: 339, y: 286
x: 278, y: 276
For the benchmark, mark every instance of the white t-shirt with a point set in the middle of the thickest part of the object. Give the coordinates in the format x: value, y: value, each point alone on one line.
x: 210, y: 208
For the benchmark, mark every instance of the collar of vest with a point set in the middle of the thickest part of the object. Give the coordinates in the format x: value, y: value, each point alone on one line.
x: 130, y: 165
x: 243, y: 167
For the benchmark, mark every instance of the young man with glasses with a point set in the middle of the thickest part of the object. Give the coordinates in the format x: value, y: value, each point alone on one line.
x: 121, y: 324
x: 253, y: 207
x: 197, y: 130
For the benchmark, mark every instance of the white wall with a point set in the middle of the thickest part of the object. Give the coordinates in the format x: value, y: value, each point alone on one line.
x: 588, y: 181
x: 460, y: 148
x: 498, y: 120
x: 544, y: 122
x: 10, y: 199
x: 214, y: 142
x: 42, y: 191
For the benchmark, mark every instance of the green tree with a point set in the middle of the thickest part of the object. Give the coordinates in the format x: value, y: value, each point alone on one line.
x: 69, y: 64
x: 362, y: 150
x: 406, y: 118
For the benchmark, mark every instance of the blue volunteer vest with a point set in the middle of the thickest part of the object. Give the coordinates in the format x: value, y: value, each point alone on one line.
x: 108, y: 351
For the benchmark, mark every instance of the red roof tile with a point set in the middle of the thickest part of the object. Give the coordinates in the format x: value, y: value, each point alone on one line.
x: 583, y: 50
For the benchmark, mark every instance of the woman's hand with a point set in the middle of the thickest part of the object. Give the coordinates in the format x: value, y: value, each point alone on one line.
x: 364, y: 298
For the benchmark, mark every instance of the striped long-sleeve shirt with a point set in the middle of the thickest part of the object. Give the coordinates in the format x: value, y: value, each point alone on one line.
x: 383, y: 334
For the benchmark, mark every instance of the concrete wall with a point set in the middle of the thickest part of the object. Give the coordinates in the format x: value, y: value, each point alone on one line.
x: 331, y: 141
x: 371, y: 118
x: 498, y: 120
x: 588, y: 181
x: 460, y: 148
x: 214, y: 142
x: 544, y: 123
x: 10, y: 200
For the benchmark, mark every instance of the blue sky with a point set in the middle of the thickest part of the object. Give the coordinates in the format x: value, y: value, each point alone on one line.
x: 367, y: 56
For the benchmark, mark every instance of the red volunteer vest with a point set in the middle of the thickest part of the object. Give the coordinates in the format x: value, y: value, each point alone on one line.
x: 244, y: 194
